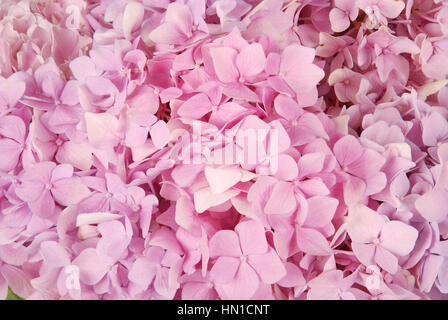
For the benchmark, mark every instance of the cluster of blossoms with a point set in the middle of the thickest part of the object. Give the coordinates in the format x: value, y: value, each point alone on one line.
x: 224, y: 149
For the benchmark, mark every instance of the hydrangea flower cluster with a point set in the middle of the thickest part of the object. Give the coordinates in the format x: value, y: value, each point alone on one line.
x: 224, y: 149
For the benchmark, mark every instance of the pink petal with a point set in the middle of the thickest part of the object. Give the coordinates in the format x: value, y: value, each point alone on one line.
x: 92, y: 267
x: 11, y: 152
x: 293, y: 276
x: 282, y: 199
x: 82, y: 67
x: 114, y: 239
x: 251, y: 60
x: 367, y: 165
x: 432, y: 268
x: 62, y: 171
x: 13, y: 127
x: 221, y: 179
x: 105, y: 59
x: 69, y: 191
x: 160, y: 134
x: 298, y: 60
x: 95, y: 218
x: 13, y: 254
x: 168, y: 33
x: 434, y: 128
x: 12, y: 91
x: 224, y: 269
x: 287, y: 107
x: 339, y: 20
x: 312, y: 242
x: 78, y: 155
x: 391, y: 9
x: 132, y: 17
x: 180, y: 15
x: 252, y: 237
x: 347, y: 150
x: 364, y: 224
x: 364, y: 252
x: 18, y: 280
x: 433, y: 205
x: 185, y: 216
x: 311, y: 163
x: 286, y: 168
x: 227, y: 112
x: 320, y: 211
x: 142, y: 272
x: 205, y: 198
x: 224, y: 63
x: 195, y: 107
x: 386, y: 260
x: 54, y: 254
x: 244, y: 285
x: 314, y: 187
x: 268, y: 266
x: 102, y: 129
x: 225, y: 243
x: 398, y: 237
x: 44, y: 206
